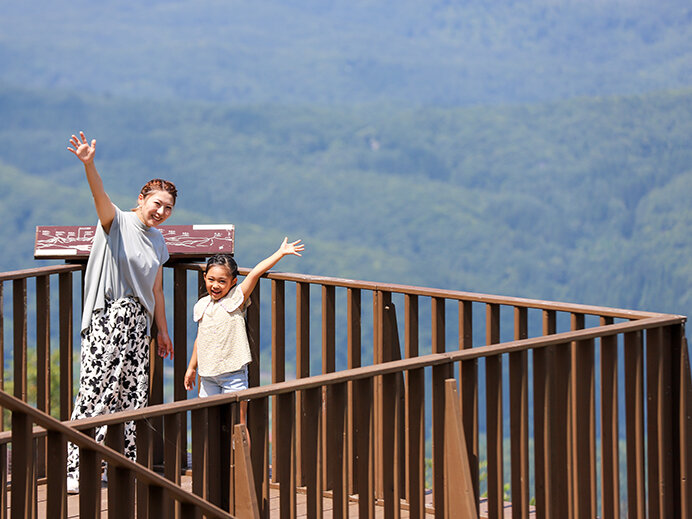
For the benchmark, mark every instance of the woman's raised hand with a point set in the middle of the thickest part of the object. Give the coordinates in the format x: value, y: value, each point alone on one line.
x: 294, y: 248
x: 82, y: 149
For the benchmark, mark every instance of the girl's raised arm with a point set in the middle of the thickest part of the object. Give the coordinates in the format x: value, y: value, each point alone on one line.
x: 248, y: 284
x: 85, y: 152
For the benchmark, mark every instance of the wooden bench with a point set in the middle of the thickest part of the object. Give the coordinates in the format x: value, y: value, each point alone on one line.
x: 185, y: 242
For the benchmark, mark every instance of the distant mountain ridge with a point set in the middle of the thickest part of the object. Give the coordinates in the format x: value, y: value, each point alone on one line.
x: 340, y: 52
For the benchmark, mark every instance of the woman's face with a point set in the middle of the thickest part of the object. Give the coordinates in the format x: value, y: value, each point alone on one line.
x: 155, y: 208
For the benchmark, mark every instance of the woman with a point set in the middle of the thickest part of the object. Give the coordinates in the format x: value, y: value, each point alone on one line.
x: 123, y: 295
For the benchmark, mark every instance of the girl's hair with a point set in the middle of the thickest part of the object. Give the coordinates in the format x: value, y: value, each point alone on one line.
x: 223, y: 260
x: 158, y: 184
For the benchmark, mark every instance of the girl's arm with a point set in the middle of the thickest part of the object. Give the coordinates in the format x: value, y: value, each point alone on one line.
x: 163, y: 341
x: 248, y: 284
x: 191, y: 373
x: 85, y: 152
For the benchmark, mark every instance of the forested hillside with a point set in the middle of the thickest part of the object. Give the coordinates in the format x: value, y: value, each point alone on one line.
x: 585, y: 200
x: 437, y: 52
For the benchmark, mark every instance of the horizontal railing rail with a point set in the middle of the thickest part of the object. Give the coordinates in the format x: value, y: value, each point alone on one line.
x: 455, y: 295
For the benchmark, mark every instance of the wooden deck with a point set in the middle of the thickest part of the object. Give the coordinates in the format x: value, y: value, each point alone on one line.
x: 73, y: 504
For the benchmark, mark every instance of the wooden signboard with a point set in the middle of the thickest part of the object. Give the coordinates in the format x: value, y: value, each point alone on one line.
x: 183, y: 241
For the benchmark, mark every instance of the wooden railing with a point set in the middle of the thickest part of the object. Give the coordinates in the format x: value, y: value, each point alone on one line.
x: 156, y: 496
x: 359, y: 428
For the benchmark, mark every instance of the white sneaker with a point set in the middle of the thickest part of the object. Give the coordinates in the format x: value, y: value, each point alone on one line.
x: 72, y: 486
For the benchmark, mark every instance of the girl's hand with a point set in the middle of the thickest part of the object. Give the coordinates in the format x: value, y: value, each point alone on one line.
x: 294, y: 248
x: 190, y: 377
x: 164, y: 345
x: 84, y: 151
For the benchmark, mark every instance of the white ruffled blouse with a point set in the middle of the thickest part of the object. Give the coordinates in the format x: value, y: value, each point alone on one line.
x: 222, y: 343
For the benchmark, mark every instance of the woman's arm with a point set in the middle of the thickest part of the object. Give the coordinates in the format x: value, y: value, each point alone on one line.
x: 163, y: 341
x: 86, y: 152
x: 248, y: 284
x: 191, y: 373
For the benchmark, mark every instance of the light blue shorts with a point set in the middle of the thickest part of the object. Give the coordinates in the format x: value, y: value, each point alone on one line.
x: 224, y: 383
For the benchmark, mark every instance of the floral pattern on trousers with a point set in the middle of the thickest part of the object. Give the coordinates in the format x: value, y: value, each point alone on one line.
x: 114, y: 372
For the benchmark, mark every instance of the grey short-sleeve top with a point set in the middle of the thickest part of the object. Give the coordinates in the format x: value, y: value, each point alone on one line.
x: 123, y: 263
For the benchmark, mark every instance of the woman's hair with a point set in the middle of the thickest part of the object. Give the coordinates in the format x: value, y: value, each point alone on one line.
x: 223, y: 260
x: 158, y: 184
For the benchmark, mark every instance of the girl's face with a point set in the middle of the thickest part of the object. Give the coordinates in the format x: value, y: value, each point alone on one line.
x: 218, y: 281
x: 155, y: 208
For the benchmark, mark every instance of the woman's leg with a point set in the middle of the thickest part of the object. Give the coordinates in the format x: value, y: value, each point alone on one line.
x: 114, y: 370
x: 93, y: 393
x: 133, y: 378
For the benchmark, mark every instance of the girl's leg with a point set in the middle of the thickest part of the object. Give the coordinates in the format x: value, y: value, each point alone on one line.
x: 209, y: 386
x: 233, y: 381
x: 236, y: 381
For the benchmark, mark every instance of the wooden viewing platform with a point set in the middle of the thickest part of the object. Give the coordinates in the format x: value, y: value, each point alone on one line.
x: 396, y: 389
x: 274, y: 508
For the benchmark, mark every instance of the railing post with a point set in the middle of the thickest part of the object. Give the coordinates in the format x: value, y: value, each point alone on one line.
x: 172, y: 435
x: 302, y: 369
x: 353, y: 339
x: 439, y: 374
x: 415, y: 414
x: 328, y: 366
x: 313, y: 451
x: 468, y: 383
x: 200, y: 452
x: 519, y: 418
x: 23, y: 467
x: 493, y: 396
x: 390, y: 445
x: 559, y: 462
x: 336, y: 430
x: 286, y: 439
x: 542, y: 364
x: 379, y: 300
x: 634, y: 420
x: 363, y: 392
x: 278, y: 361
x: 56, y: 471
x: 460, y: 500
x: 180, y: 319
x: 66, y: 314
x: 121, y: 494
x: 42, y: 360
x: 610, y: 471
x: 659, y: 424
x: 253, y: 333
x: 20, y: 325
x: 583, y: 425
x: 89, y: 480
x: 216, y: 460
x: 682, y: 421
x: 258, y: 418
x: 144, y: 458
x: 395, y: 388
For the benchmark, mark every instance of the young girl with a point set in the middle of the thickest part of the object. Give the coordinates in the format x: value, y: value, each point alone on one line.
x: 221, y: 348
